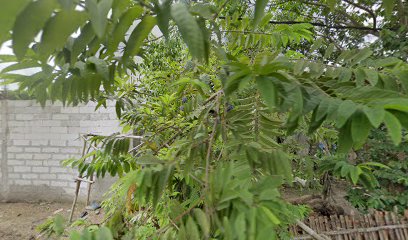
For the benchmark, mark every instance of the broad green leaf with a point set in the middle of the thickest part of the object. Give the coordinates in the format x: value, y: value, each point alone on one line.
x: 331, y: 4
x: 372, y: 76
x: 394, y: 127
x: 360, y: 128
x: 125, y: 21
x: 138, y: 35
x: 272, y: 217
x: 359, y: 76
x: 28, y: 23
x: 345, y: 75
x: 267, y: 90
x: 345, y: 139
x: 354, y: 174
x: 375, y: 115
x: 362, y: 55
x: 8, y: 12
x: 403, y: 76
x: 202, y: 220
x: 80, y: 43
x: 388, y: 6
x: 98, y: 12
x: 330, y: 48
x: 163, y: 17
x: 103, y: 233
x: 189, y: 30
x: 344, y: 112
x: 20, y: 65
x: 58, y: 29
x: 192, y: 230
x: 260, y: 6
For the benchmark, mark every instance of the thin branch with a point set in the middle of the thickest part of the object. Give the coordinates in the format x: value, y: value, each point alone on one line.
x: 317, y: 24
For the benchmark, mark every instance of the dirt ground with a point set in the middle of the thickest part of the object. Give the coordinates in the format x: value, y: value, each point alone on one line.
x: 19, y: 220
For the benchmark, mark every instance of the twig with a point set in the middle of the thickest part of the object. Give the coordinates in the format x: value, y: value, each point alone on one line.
x: 311, y: 232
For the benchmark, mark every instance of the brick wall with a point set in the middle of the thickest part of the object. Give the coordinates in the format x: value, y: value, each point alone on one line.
x: 34, y: 140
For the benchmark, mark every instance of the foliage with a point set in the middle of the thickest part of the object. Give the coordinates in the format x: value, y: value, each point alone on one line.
x: 393, y: 180
x: 199, y: 156
x: 52, y: 226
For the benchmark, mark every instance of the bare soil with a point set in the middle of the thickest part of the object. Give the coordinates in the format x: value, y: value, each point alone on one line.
x: 19, y: 220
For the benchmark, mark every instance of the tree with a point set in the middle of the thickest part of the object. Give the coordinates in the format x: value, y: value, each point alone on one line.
x: 210, y: 164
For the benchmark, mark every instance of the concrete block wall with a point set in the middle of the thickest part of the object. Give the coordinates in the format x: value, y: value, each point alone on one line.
x: 34, y: 141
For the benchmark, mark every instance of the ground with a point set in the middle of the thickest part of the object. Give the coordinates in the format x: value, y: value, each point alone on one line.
x: 19, y: 220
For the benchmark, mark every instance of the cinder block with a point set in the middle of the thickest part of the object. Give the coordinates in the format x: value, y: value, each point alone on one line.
x: 14, y: 176
x: 15, y: 162
x: 32, y: 149
x: 22, y: 182
x: 53, y: 162
x: 42, y: 156
x: 38, y: 142
x: 58, y: 143
x: 40, y: 169
x: 50, y: 150
x: 41, y: 182
x: 25, y: 156
x: 58, y: 184
x: 34, y: 163
x: 65, y: 177
x: 58, y: 170
x: 15, y: 149
x: 70, y: 110
x: 29, y: 176
x: 59, y: 129
x: 22, y: 169
x: 48, y: 176
x: 71, y: 150
x: 60, y: 116
x: 24, y: 116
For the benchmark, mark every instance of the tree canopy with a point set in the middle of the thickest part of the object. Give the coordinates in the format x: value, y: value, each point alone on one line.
x: 211, y: 86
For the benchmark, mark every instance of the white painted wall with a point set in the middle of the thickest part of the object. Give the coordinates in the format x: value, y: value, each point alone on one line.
x: 34, y: 140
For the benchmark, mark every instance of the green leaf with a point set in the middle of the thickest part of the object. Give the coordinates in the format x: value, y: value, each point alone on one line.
x: 394, y: 127
x: 192, y: 230
x: 125, y: 21
x: 202, y: 221
x: 330, y: 48
x: 403, y: 76
x: 345, y: 138
x: 260, y: 6
x: 344, y: 112
x: 354, y: 174
x: 331, y: 4
x: 80, y: 43
x: 375, y: 115
x: 163, y: 16
x: 98, y: 13
x: 271, y: 216
x: 388, y: 6
x: 361, y: 55
x: 138, y: 35
x: 189, y: 30
x: 359, y: 76
x: 8, y: 12
x: 372, y: 76
x: 28, y: 23
x: 360, y: 128
x: 267, y: 90
x: 103, y: 233
x: 58, y: 29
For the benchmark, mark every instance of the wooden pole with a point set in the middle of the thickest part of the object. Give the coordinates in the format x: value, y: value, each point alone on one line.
x: 311, y: 232
x: 78, y: 185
